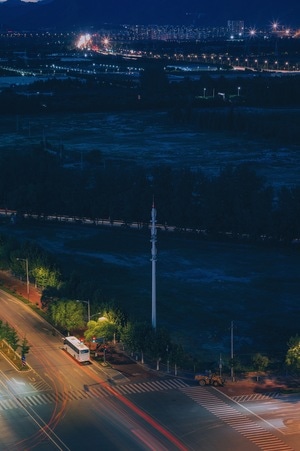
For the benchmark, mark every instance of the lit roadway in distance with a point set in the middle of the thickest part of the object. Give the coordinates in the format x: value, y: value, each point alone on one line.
x: 60, y: 405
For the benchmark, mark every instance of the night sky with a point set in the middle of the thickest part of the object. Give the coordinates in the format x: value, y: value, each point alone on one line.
x: 254, y: 12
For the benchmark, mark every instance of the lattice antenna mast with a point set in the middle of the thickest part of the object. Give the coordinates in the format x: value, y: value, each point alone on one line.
x: 153, y: 260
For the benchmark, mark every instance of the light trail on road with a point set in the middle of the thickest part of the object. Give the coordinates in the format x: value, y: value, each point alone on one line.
x: 141, y: 414
x: 45, y: 430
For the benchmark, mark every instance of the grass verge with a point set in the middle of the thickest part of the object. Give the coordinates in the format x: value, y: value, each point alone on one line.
x: 12, y: 356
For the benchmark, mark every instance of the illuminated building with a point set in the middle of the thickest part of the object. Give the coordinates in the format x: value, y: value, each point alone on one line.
x: 236, y: 28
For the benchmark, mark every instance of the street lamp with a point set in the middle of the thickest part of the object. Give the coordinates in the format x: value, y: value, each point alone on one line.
x: 88, y: 307
x: 239, y: 88
x: 231, y: 351
x: 168, y: 361
x: 27, y: 273
x: 204, y: 92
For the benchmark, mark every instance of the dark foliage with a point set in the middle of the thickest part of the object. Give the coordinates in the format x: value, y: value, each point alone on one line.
x: 235, y: 202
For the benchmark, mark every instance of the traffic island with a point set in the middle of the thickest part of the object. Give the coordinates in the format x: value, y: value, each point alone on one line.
x: 13, y: 357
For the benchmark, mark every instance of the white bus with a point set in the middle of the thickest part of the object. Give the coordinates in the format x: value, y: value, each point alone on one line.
x: 76, y: 349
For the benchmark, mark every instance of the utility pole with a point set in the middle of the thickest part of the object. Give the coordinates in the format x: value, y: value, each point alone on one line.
x: 27, y: 274
x: 153, y: 260
x: 231, y: 353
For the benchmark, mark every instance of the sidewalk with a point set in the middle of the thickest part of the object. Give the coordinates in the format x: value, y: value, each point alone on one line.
x: 20, y: 287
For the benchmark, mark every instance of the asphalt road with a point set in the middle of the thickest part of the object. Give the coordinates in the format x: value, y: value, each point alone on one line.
x: 61, y: 405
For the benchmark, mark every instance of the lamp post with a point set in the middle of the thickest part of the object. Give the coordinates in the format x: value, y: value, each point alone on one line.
x: 88, y: 307
x: 27, y: 273
x: 168, y: 361
x: 231, y: 351
x: 239, y: 88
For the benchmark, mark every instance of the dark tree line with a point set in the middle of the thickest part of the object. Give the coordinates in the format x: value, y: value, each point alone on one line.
x: 153, y: 89
x: 236, y: 200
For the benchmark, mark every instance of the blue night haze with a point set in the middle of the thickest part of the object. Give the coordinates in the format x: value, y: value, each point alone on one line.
x: 93, y: 12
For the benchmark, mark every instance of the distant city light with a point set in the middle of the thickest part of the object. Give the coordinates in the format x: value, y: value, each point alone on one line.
x: 84, y: 41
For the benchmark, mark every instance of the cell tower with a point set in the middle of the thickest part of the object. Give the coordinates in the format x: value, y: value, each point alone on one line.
x: 153, y: 259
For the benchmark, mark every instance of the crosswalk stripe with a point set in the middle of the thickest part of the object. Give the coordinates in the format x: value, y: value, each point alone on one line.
x: 52, y: 396
x: 164, y: 384
x: 7, y: 404
x: 158, y: 385
x: 30, y: 401
x: 175, y: 383
x: 130, y: 388
x: 149, y: 385
x: 257, y: 396
x: 123, y: 388
x: 98, y: 391
x: 44, y: 398
x: 241, y: 423
x: 140, y: 388
x: 76, y: 395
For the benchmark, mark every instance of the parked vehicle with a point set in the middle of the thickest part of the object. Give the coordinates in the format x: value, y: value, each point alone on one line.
x: 213, y: 379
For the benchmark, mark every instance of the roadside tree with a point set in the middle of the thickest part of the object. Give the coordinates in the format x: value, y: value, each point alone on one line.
x: 159, y: 342
x: 138, y: 337
x: 102, y: 328
x: 293, y: 354
x: 24, y: 347
x: 260, y: 362
x: 176, y: 356
x: 68, y: 315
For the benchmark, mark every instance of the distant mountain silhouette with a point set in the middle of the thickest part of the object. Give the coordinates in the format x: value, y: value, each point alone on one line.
x: 70, y: 14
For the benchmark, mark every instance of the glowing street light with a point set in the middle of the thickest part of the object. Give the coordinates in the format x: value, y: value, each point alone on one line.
x: 238, y: 90
x: 275, y: 26
x: 27, y: 273
x: 204, y: 92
